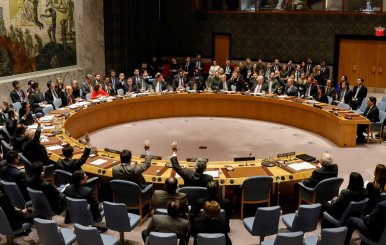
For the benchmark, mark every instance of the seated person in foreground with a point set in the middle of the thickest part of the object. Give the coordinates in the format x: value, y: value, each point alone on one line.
x: 375, y: 188
x: 191, y: 178
x: 213, y: 195
x: 70, y: 165
x: 78, y: 190
x: 354, y: 192
x: 327, y: 169
x: 371, y: 225
x: 131, y: 171
x: 371, y: 113
x: 9, y: 172
x: 321, y: 96
x: 161, y: 198
x: 54, y: 197
x: 172, y: 222
x: 210, y: 222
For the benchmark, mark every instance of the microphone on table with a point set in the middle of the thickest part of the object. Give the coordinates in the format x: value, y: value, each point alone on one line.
x: 246, y: 160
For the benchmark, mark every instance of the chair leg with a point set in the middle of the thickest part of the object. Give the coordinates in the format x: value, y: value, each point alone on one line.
x: 242, y: 211
x: 261, y: 239
x: 122, y: 238
x: 140, y: 215
x: 9, y: 239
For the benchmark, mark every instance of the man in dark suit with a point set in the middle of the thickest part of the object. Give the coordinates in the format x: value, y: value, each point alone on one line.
x: 188, y: 67
x: 132, y: 171
x: 87, y: 86
x: 327, y: 170
x: 11, y: 173
x: 330, y: 90
x: 35, y: 98
x: 71, y: 165
x: 191, y: 178
x: 172, y: 222
x: 371, y: 113
x: 50, y: 95
x: 106, y: 86
x: 113, y: 81
x: 54, y: 197
x: 130, y: 86
x: 273, y: 84
x: 179, y: 81
x: 371, y: 225
x: 159, y: 84
x: 259, y: 86
x: 199, y: 65
x: 345, y: 94
x: 290, y: 88
x: 324, y: 73
x: 310, y: 89
x: 17, y: 94
x: 122, y: 83
x: 359, y: 93
x: 68, y: 97
x: 78, y: 190
x: 162, y: 198
x: 228, y: 69
x: 309, y: 67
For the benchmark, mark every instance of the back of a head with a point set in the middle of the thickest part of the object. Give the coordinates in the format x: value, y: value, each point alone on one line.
x: 125, y: 156
x: 36, y: 169
x: 212, y: 210
x: 77, y: 177
x: 380, y: 177
x: 201, y: 165
x: 174, y: 209
x: 212, y: 188
x: 326, y: 159
x: 171, y: 185
x: 11, y: 156
x: 356, y: 182
x: 373, y: 99
x: 20, y: 129
x: 68, y: 151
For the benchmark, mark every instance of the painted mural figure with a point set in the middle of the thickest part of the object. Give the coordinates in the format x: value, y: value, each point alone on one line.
x: 36, y: 15
x: 51, y: 13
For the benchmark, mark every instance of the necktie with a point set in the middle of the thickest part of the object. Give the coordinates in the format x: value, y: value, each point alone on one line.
x: 356, y: 94
x: 342, y: 96
x: 20, y: 95
x: 270, y: 87
x: 55, y: 95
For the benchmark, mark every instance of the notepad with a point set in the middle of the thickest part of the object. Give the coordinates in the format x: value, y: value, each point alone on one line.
x: 98, y: 162
x: 213, y: 173
x: 301, y: 166
x: 54, y: 147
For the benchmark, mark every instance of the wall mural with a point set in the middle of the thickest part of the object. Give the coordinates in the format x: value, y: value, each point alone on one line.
x: 36, y: 35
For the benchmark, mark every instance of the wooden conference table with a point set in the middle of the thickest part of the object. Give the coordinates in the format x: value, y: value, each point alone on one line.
x: 335, y: 124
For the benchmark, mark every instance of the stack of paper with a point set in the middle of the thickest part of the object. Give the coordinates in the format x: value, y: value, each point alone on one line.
x: 301, y: 166
x: 98, y: 162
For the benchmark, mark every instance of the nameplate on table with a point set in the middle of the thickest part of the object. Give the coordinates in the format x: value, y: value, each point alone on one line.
x: 301, y: 166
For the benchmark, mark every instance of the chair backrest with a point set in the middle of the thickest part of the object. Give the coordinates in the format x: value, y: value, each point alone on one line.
x: 6, y: 147
x: 327, y: 189
x: 307, y: 217
x: 88, y: 96
x: 257, y: 188
x: 40, y: 203
x: 382, y: 197
x: 27, y: 164
x: 86, y: 235
x: 290, y: 238
x: 266, y: 221
x: 5, y: 227
x: 13, y: 192
x: 382, y: 240
x: 116, y: 216
x: 330, y: 236
x: 92, y: 183
x: 381, y: 106
x: 48, y: 231
x: 17, y: 106
x: 126, y: 192
x: 353, y: 209
x: 363, y: 106
x: 48, y: 171
x: 193, y: 193
x: 48, y: 109
x: 211, y: 239
x: 63, y: 177
x: 120, y: 91
x: 57, y: 103
x: 383, y: 98
x: 78, y: 211
x: 162, y: 238
x: 5, y: 133
x: 382, y: 116
x: 344, y: 106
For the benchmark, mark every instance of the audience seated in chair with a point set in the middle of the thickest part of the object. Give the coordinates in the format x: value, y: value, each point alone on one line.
x: 70, y: 165
x: 78, y: 190
x: 354, y: 192
x: 191, y: 178
x: 327, y: 170
x: 9, y: 172
x: 172, y: 222
x: 161, y: 198
x: 371, y: 113
x: 210, y: 222
x: 54, y: 197
x: 133, y: 172
x: 375, y: 188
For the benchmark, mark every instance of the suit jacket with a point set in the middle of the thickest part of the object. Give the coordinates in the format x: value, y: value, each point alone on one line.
x: 337, y: 207
x: 347, y: 96
x: 190, y: 177
x: 322, y: 99
x: 293, y: 91
x: 49, y: 97
x: 274, y: 86
x: 325, y: 172
x: 176, y: 81
x: 66, y: 99
x: 15, y: 96
x: 34, y: 99
x: 132, y: 172
x: 11, y: 173
x: 163, y: 85
x: 122, y: 84
x: 54, y: 197
x: 375, y: 221
x: 312, y: 88
x: 84, y: 192
x: 264, y: 87
x: 15, y: 218
x: 206, y: 225
x: 372, y: 113
x: 108, y: 88
x: 85, y: 89
x: 166, y: 223
x: 189, y: 68
x: 361, y: 94
x: 114, y: 84
x: 324, y: 75
x: 230, y: 71
x: 71, y: 165
x: 162, y: 198
x: 33, y: 150
x: 137, y: 81
x: 330, y: 91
